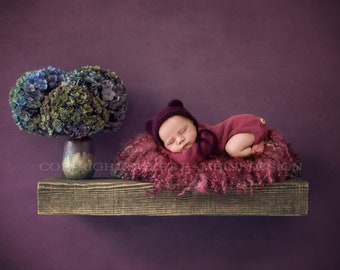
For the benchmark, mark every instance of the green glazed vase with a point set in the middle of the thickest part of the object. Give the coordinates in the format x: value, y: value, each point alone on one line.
x: 78, y: 158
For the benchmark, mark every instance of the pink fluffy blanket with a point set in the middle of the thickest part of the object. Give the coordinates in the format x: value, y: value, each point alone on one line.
x: 142, y: 160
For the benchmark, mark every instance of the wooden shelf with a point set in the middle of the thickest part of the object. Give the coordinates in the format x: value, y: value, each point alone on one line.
x: 113, y: 197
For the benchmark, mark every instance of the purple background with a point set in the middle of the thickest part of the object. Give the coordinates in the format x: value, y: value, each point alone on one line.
x: 277, y: 59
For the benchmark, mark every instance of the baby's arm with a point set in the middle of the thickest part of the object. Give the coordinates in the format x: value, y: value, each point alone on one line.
x: 187, y: 156
x: 242, y: 145
x: 203, y: 147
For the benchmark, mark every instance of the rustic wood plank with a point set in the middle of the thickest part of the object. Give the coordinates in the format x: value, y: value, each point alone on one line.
x: 112, y: 197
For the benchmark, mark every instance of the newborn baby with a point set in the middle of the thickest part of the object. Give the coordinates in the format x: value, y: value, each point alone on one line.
x: 185, y: 140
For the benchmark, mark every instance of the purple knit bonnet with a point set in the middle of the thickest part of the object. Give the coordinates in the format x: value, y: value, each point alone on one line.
x: 175, y: 107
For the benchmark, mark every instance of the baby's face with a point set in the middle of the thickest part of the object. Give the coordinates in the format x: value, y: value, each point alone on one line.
x: 178, y: 133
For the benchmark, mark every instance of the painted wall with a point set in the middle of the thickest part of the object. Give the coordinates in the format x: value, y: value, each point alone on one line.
x: 278, y: 59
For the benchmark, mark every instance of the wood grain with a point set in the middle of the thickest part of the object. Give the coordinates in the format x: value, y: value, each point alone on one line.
x: 112, y: 197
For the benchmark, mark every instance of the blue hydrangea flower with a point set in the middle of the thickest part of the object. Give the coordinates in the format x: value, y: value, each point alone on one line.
x: 28, y: 94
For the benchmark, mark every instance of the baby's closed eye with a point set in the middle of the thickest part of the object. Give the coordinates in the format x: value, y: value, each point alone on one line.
x: 183, y: 130
x: 170, y: 142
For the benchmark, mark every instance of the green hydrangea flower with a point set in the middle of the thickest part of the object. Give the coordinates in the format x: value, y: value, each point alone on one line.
x: 72, y: 111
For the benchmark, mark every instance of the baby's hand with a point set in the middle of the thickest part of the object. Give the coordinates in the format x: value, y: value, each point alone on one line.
x: 257, y: 149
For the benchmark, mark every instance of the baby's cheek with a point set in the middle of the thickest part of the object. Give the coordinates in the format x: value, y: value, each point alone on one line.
x: 174, y: 149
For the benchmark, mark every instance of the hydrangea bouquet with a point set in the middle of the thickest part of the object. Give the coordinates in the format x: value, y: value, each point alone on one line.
x: 76, y: 104
x: 52, y: 102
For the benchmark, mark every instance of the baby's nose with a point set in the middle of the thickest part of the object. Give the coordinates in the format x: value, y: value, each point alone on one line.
x: 180, y: 139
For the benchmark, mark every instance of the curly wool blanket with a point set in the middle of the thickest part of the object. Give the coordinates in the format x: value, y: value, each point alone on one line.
x: 142, y: 160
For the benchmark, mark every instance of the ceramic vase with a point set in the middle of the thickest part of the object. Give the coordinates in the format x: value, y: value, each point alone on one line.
x: 78, y: 158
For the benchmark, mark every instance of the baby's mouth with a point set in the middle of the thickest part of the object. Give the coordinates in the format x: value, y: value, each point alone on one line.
x: 187, y: 145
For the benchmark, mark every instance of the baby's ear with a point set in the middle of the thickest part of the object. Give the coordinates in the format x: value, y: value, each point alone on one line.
x: 148, y: 126
x: 175, y: 103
